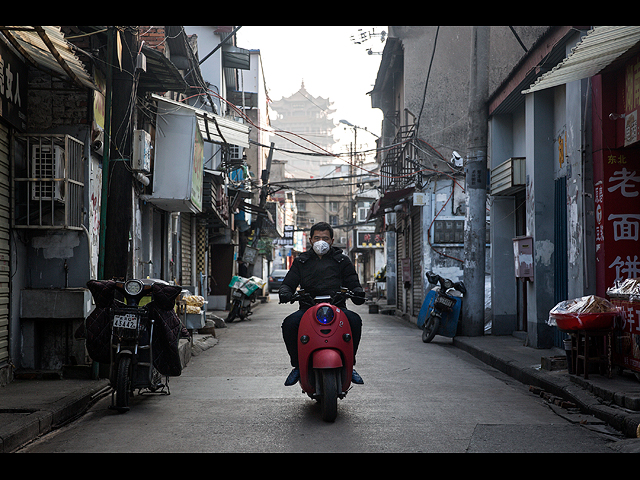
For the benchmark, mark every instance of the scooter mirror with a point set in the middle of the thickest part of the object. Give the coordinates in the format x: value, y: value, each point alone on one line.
x: 432, y: 277
x: 460, y: 287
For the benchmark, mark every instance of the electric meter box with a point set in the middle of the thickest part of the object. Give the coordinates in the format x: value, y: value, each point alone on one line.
x: 141, y: 160
x: 523, y: 256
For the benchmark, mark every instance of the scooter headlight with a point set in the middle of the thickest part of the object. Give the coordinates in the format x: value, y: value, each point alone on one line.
x: 133, y: 287
x: 324, y: 315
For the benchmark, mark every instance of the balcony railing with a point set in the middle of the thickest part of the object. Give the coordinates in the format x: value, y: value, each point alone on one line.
x: 399, y: 167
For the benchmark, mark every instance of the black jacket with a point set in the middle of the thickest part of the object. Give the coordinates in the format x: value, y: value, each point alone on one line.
x: 321, y: 276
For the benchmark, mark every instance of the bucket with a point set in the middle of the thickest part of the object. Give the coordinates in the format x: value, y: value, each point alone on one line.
x: 567, y: 351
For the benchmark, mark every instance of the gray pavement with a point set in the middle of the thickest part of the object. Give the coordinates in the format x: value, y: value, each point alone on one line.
x: 31, y: 408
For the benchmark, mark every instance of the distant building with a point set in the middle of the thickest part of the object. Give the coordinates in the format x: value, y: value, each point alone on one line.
x: 308, y: 116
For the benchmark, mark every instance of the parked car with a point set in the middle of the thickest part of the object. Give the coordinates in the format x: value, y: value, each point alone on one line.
x: 275, y: 279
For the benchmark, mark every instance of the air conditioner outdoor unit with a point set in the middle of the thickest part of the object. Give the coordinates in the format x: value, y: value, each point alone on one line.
x: 47, y: 169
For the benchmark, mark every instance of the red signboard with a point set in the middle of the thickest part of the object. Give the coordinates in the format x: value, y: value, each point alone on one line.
x: 617, y: 204
x: 626, y: 348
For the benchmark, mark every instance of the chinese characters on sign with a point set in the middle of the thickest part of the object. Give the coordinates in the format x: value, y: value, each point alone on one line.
x: 288, y: 239
x: 370, y: 239
x: 13, y: 88
x: 617, y: 203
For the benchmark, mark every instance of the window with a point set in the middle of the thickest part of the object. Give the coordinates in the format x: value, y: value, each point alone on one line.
x: 334, y: 220
x: 49, y: 181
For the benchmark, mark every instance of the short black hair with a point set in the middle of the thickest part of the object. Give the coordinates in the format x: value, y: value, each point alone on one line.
x: 321, y: 226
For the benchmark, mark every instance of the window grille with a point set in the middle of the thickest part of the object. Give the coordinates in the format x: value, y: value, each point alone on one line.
x: 48, y: 181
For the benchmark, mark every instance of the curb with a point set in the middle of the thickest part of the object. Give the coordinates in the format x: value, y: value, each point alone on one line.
x: 575, y: 390
x: 38, y: 422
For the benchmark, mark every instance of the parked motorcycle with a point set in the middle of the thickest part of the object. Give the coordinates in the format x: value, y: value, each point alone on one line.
x: 441, y: 308
x: 243, y: 294
x: 325, y: 350
x: 137, y: 336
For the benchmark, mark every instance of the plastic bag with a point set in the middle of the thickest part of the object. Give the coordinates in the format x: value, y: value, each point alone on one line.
x: 584, y: 313
x: 628, y: 289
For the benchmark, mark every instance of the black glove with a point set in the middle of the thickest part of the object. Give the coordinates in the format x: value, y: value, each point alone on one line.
x: 358, y: 299
x: 285, y: 297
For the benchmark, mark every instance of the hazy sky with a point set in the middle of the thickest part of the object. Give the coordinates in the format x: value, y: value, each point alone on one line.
x: 331, y: 65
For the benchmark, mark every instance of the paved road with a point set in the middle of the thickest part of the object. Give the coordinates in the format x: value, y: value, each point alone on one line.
x: 417, y: 398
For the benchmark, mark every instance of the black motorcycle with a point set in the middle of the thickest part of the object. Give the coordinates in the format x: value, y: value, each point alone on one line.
x: 135, y: 329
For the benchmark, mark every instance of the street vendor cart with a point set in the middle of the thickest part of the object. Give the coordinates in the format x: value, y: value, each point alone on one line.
x: 626, y: 332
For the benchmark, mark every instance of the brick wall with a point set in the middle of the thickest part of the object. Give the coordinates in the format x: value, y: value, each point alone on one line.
x: 153, y: 37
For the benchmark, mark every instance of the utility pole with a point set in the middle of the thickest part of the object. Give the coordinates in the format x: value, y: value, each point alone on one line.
x: 120, y: 181
x: 264, y: 192
x: 472, y: 321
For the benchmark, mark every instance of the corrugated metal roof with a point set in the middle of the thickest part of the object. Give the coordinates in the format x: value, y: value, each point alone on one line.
x: 161, y: 74
x: 597, y: 50
x: 31, y: 45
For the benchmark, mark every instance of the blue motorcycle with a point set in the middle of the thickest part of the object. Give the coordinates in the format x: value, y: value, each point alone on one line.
x: 441, y: 308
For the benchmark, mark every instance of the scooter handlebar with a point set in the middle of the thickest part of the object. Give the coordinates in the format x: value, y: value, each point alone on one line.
x: 343, y: 294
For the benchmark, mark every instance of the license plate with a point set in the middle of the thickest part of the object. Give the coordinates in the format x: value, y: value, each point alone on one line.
x: 236, y: 294
x: 446, y: 302
x: 128, y: 320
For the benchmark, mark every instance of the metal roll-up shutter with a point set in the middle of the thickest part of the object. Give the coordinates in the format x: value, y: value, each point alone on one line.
x: 416, y: 264
x: 5, y: 222
x: 400, y: 248
x: 185, y: 248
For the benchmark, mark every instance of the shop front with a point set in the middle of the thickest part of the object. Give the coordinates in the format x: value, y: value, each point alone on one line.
x: 616, y: 157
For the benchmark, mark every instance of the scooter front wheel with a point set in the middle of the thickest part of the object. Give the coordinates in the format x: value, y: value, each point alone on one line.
x: 430, y: 328
x: 329, y: 395
x: 123, y: 383
x: 233, y: 313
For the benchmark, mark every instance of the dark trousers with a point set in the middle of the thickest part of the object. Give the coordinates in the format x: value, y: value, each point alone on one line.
x: 290, y: 332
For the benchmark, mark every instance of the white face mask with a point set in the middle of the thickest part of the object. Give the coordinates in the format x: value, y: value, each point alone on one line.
x: 321, y: 247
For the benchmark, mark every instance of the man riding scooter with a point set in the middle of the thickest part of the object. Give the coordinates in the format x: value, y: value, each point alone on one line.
x: 323, y: 270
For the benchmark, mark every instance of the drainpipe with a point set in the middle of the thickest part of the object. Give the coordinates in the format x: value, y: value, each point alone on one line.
x: 105, y: 153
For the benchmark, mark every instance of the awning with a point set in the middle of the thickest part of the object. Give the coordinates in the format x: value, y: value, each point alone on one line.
x: 236, y: 57
x: 214, y: 128
x: 388, y: 200
x: 45, y: 47
x: 161, y: 75
x: 598, y: 49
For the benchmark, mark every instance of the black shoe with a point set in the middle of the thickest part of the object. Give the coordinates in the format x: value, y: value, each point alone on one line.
x: 293, y: 377
x: 355, y: 378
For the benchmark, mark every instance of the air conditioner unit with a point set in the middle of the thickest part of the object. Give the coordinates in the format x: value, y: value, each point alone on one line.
x: 47, y: 170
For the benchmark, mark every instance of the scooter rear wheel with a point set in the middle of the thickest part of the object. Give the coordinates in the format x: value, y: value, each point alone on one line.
x: 329, y: 397
x: 430, y: 328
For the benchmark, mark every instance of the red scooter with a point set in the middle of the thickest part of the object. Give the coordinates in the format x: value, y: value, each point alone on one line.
x: 325, y: 350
